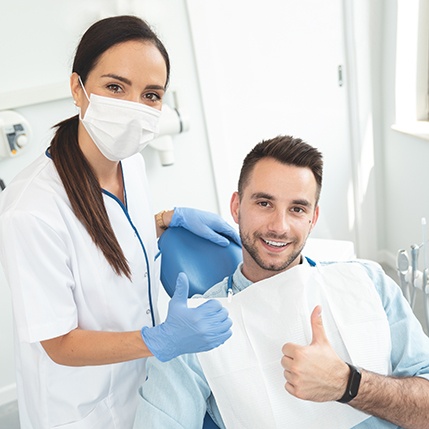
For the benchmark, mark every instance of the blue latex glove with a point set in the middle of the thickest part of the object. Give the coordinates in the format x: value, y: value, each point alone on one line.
x: 188, y: 330
x: 205, y: 224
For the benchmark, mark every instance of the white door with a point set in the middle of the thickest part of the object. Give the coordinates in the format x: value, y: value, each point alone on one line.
x: 272, y: 67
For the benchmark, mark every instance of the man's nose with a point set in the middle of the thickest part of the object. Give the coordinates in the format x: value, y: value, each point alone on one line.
x: 279, y: 222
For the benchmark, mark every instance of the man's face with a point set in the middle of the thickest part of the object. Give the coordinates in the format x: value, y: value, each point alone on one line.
x: 275, y: 215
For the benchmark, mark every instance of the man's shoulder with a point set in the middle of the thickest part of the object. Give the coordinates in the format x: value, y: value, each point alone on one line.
x: 373, y: 269
x: 368, y: 265
x: 219, y: 290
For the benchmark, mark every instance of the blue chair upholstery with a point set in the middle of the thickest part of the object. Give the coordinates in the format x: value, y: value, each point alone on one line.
x: 205, y: 263
x: 209, y: 423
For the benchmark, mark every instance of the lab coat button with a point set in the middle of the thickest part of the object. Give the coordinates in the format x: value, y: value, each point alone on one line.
x: 145, y: 274
x: 148, y: 311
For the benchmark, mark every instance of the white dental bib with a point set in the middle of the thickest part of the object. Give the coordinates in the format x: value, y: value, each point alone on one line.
x: 245, y: 373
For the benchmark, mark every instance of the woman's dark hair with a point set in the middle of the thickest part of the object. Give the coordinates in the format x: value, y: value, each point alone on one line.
x: 287, y: 150
x: 79, y: 179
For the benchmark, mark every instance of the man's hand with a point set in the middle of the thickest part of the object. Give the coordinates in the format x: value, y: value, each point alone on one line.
x: 314, y: 372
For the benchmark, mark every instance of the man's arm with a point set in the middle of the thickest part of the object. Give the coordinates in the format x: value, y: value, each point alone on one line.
x: 315, y: 372
x: 402, y: 401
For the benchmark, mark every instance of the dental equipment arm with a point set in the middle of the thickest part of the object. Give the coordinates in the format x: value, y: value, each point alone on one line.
x: 426, y: 296
x: 414, y: 261
x: 425, y: 287
x: 403, y: 264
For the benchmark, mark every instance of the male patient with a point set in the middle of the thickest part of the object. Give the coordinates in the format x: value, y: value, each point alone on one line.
x: 314, y: 345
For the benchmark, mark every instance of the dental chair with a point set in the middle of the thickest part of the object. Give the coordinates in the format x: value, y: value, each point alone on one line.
x: 205, y: 263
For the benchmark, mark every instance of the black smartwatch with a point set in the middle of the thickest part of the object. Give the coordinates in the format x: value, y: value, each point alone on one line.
x: 352, y: 385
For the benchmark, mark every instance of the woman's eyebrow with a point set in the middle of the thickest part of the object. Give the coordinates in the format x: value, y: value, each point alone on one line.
x: 128, y: 82
x: 117, y: 77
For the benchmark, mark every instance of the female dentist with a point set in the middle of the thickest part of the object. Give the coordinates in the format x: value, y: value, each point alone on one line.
x: 78, y: 243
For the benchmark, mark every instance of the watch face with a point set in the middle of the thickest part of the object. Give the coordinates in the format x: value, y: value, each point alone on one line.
x: 354, y: 381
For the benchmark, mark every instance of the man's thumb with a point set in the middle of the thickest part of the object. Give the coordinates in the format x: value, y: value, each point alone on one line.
x: 317, y: 329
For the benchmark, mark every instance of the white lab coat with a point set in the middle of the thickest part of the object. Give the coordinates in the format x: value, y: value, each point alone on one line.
x: 60, y: 280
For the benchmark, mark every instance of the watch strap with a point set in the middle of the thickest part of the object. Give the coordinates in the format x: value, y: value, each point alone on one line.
x: 353, y: 384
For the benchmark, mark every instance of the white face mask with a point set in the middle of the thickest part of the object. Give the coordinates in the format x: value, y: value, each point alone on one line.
x: 119, y: 128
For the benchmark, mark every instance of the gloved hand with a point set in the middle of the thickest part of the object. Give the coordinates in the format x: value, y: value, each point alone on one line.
x: 205, y: 224
x: 188, y: 330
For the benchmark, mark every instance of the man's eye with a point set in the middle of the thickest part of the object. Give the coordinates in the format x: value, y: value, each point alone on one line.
x: 298, y: 210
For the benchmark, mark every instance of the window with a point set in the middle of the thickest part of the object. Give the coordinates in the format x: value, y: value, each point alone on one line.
x: 412, y: 68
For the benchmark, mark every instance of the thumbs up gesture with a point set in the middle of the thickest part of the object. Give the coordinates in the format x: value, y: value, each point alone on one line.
x: 188, y: 330
x: 314, y: 372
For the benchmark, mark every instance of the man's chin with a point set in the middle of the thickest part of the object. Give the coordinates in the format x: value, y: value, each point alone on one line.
x: 291, y: 261
x: 277, y: 268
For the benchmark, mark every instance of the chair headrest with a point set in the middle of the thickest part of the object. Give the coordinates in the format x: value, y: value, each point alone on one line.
x: 204, y: 262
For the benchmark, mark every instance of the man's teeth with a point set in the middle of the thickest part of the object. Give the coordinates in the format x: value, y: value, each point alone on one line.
x: 275, y: 243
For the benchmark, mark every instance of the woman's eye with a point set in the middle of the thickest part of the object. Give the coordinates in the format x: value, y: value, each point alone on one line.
x: 114, y: 88
x: 152, y: 96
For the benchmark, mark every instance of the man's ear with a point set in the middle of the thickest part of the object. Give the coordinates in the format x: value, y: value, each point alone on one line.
x: 315, y: 218
x: 235, y: 206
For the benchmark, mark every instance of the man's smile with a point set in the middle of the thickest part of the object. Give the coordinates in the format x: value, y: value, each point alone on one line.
x: 275, y: 243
